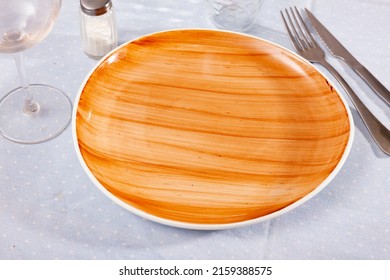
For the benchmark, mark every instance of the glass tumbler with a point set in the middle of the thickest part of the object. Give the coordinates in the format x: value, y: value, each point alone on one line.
x: 235, y: 15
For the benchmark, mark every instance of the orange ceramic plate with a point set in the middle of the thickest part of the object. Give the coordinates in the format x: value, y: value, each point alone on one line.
x: 209, y: 129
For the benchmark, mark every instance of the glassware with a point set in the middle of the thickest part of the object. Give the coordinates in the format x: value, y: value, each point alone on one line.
x: 98, y: 27
x: 235, y: 15
x: 32, y: 113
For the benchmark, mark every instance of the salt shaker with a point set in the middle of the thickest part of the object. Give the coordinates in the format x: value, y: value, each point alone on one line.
x: 98, y: 27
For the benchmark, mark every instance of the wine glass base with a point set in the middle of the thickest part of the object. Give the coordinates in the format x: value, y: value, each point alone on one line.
x: 53, y: 117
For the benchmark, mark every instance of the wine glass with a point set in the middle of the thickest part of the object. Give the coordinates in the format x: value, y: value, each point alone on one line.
x: 31, y: 113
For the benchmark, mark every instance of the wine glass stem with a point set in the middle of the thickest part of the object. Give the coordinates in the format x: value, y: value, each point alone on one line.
x: 30, y: 107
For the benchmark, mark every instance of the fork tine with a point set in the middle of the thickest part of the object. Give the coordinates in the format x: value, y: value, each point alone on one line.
x: 308, y: 36
x: 298, y: 23
x: 294, y: 28
x: 293, y: 38
x: 301, y: 40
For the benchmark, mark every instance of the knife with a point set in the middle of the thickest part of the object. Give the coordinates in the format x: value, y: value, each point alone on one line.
x: 339, y: 51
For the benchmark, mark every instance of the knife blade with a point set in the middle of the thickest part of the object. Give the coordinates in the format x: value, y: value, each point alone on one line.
x: 339, y: 51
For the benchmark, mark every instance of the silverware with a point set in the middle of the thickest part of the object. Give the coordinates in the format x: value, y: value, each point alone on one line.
x: 339, y: 51
x: 307, y: 47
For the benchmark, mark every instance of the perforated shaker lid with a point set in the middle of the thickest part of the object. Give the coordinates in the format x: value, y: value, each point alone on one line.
x: 95, y: 7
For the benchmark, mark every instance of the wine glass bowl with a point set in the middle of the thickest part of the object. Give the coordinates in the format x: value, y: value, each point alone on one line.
x: 32, y: 113
x: 25, y: 24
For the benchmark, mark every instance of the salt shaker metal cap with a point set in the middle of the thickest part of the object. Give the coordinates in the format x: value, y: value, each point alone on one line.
x: 95, y: 7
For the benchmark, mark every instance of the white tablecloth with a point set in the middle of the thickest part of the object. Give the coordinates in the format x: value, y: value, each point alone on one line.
x: 49, y: 209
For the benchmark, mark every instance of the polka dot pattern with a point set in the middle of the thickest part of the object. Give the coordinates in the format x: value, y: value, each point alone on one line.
x: 49, y: 209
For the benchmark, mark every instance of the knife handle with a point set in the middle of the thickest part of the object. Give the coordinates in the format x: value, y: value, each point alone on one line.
x: 378, y: 131
x: 373, y: 82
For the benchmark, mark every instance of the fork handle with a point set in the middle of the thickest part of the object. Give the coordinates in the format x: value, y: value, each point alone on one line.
x: 378, y: 131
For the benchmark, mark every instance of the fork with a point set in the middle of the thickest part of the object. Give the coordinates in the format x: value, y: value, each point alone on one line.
x: 308, y: 48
